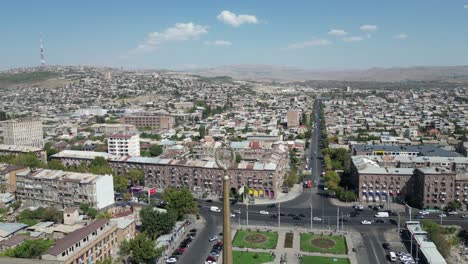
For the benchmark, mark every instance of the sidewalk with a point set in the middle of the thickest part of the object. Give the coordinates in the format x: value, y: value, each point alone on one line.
x: 393, y: 206
x: 294, y: 192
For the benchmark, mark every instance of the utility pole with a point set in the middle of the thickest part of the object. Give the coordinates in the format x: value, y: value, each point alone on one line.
x: 247, y: 212
x: 279, y: 215
x: 337, y: 219
x: 311, y: 220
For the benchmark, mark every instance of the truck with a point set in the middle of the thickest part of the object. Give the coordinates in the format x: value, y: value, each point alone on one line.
x: 382, y: 214
x: 309, y: 184
x: 215, y: 209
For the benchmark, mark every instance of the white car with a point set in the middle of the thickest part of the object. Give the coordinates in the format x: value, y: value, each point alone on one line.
x: 233, y: 215
x: 424, y: 212
x: 358, y: 206
x: 442, y: 215
x: 452, y: 213
x: 171, y: 260
x: 210, y: 262
x: 366, y: 222
x: 263, y: 212
x: 213, y: 238
x: 316, y: 218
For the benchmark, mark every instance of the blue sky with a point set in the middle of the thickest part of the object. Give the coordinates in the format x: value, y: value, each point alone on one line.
x: 327, y: 34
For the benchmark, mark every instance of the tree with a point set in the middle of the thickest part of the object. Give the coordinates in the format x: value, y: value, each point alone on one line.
x: 141, y: 249
x: 120, y: 183
x: 454, y: 205
x: 105, y: 261
x: 181, y: 201
x: 29, y: 249
x: 56, y: 165
x: 155, y: 223
x: 89, y: 211
x: 202, y: 131
x: 99, y: 165
x: 136, y: 176
x: 103, y: 215
x: 238, y: 157
x: 155, y: 150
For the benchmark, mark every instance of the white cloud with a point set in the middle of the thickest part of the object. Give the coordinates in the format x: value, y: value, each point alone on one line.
x: 401, y: 36
x: 179, y: 32
x: 369, y: 28
x: 465, y: 6
x: 234, y: 20
x: 337, y: 32
x: 353, y: 39
x: 312, y: 43
x: 218, y: 43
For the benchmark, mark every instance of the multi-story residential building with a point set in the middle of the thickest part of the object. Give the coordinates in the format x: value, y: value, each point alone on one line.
x: 90, y: 244
x: 433, y: 188
x: 63, y: 189
x: 25, y: 132
x: 110, y: 129
x: 205, y: 150
x: 152, y: 120
x: 124, y: 145
x: 16, y: 150
x: 264, y: 179
x: 8, y: 177
x: 377, y: 183
x: 387, y: 150
x: 293, y: 118
x: 126, y: 228
x: 183, y: 105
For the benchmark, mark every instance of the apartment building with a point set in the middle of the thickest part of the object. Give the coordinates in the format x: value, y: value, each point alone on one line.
x: 25, y: 132
x: 434, y: 188
x: 63, y: 189
x: 293, y: 118
x: 147, y: 119
x: 126, y: 228
x: 205, y: 150
x: 378, y: 184
x: 8, y: 177
x: 90, y: 244
x: 388, y: 150
x: 110, y: 129
x: 16, y: 150
x: 124, y: 145
x: 264, y: 179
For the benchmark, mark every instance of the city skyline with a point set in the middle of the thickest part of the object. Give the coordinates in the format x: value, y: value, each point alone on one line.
x: 210, y: 33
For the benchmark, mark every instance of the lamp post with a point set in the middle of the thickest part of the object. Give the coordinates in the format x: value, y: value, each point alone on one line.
x: 225, y: 159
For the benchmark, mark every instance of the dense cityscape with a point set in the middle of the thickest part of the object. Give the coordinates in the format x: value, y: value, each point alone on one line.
x: 242, y: 163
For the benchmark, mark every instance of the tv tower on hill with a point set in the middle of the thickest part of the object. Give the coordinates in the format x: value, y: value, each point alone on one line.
x: 43, y: 62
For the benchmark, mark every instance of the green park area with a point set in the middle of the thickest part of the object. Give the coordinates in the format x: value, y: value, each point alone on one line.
x: 255, y: 239
x: 323, y: 243
x: 323, y: 260
x: 242, y: 257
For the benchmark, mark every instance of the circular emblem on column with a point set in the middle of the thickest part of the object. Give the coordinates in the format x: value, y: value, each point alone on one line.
x: 225, y: 157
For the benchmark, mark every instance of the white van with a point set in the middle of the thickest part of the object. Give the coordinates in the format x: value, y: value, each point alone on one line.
x: 215, y: 209
x: 392, y: 256
x: 381, y: 214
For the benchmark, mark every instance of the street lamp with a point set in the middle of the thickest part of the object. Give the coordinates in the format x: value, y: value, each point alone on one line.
x: 225, y: 158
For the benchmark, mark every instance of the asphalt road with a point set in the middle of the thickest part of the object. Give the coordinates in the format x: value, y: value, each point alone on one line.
x: 370, y: 251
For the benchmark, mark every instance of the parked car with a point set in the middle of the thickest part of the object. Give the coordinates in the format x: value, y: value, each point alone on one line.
x: 452, y: 212
x: 379, y: 221
x: 423, y: 212
x: 386, y: 245
x: 233, y: 215
x: 302, y: 215
x: 315, y: 218
x: 366, y: 222
x: 263, y: 212
x: 209, y: 201
x: 442, y: 215
x: 213, y: 238
x: 271, y: 206
x: 464, y: 216
x: 171, y: 259
x: 419, y: 216
x: 181, y: 250
x: 291, y: 215
x: 274, y: 216
x: 296, y: 218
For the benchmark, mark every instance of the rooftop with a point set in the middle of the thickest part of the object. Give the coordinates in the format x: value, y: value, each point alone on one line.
x: 423, y: 150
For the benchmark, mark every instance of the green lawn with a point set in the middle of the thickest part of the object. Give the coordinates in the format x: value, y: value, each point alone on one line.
x: 323, y: 260
x: 306, y: 245
x: 269, y: 243
x: 241, y: 257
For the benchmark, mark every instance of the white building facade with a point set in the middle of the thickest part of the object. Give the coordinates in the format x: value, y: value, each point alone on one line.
x: 23, y: 133
x: 124, y: 145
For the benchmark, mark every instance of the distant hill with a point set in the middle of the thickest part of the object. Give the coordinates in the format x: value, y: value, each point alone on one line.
x: 457, y: 74
x: 7, y: 78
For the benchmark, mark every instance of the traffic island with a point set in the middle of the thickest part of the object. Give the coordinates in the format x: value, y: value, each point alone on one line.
x: 243, y: 257
x: 323, y: 243
x: 323, y: 260
x: 255, y: 239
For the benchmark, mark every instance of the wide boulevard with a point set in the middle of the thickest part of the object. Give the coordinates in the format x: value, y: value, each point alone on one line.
x: 311, y: 204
